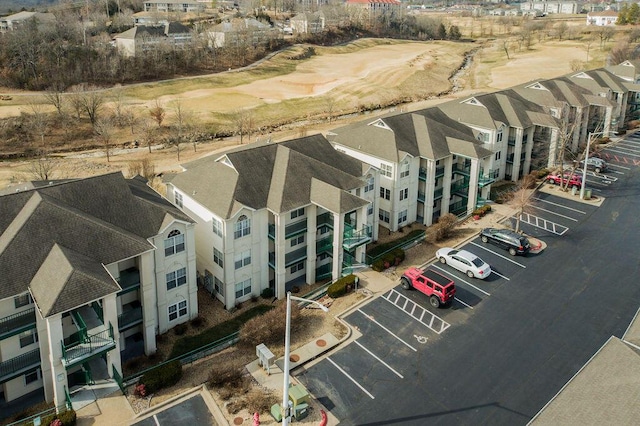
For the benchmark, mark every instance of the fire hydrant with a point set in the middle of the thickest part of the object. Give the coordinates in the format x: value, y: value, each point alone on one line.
x: 256, y: 419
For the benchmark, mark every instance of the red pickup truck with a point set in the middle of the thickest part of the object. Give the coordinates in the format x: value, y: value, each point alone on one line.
x: 439, y: 288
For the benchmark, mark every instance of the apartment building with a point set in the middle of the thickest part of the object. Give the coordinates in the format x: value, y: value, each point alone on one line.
x: 92, y: 269
x: 429, y: 165
x: 277, y: 215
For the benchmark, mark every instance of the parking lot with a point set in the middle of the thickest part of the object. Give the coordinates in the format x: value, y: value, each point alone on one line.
x: 475, y: 361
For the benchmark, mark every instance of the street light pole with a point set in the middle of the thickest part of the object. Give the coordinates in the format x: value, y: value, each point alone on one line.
x: 584, y: 167
x: 285, y: 412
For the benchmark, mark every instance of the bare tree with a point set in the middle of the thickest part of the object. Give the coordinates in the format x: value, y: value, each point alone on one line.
x: 54, y: 97
x: 104, y: 132
x: 181, y: 124
x: 148, y: 132
x: 243, y: 120
x: 330, y: 103
x: 522, y: 197
x: 561, y: 29
x: 38, y: 122
x: 43, y: 167
x: 90, y: 100
x: 158, y: 113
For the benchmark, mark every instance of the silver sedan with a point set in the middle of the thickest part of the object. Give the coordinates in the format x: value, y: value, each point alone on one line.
x: 464, y: 261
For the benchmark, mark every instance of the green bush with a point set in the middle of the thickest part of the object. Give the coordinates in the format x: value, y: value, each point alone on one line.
x: 381, y: 248
x: 269, y: 327
x: 68, y: 418
x: 341, y: 286
x: 162, y: 376
x: 267, y: 293
x: 378, y: 265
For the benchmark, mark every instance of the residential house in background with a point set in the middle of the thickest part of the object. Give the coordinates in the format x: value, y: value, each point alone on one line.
x: 143, y: 37
x: 92, y: 270
x: 308, y: 23
x: 544, y: 7
x: 239, y: 32
x: 601, y: 19
x: 277, y: 215
x: 429, y: 165
x: 15, y: 21
x: 375, y: 6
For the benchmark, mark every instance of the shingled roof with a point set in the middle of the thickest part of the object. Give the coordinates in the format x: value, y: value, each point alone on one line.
x: 65, y: 232
x: 277, y: 176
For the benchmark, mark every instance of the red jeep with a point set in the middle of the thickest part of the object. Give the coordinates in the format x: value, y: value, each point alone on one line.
x: 575, y: 181
x: 439, y: 288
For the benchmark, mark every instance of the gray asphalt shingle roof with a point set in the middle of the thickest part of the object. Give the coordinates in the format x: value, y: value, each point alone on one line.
x: 103, y: 219
x: 277, y: 176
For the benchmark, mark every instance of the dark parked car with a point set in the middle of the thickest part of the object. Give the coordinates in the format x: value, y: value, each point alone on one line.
x: 507, y: 239
x: 598, y: 165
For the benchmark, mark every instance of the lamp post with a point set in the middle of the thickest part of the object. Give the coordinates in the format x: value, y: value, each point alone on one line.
x: 286, y: 413
x: 584, y: 164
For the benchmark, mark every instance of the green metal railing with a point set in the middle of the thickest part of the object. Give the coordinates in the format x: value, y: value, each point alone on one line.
x: 98, y: 310
x: 90, y: 345
x: 324, y: 245
x: 437, y: 193
x: 295, y: 228
x: 353, y: 236
x: 12, y: 366
x: 118, y: 378
x: 17, y: 323
x: 130, y: 317
x: 324, y: 219
x: 402, y: 244
x: 422, y: 174
x: 81, y: 325
x: 323, y: 271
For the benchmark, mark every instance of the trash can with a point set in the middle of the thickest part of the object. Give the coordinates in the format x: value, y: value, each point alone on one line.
x: 574, y: 190
x: 301, y: 411
x: 587, y: 194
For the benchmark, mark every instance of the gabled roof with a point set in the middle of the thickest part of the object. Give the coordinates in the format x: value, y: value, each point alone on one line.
x: 599, y: 81
x: 470, y: 111
x: 277, y: 176
x: 154, y: 31
x: 427, y: 133
x: 104, y: 218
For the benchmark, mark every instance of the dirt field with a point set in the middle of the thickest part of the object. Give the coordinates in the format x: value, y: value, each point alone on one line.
x: 364, y: 72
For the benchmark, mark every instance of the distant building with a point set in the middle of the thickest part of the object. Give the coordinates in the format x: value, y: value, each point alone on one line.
x: 12, y: 22
x: 173, y: 6
x: 144, y: 37
x: 375, y: 5
x: 239, y: 31
x: 549, y: 7
x: 601, y: 19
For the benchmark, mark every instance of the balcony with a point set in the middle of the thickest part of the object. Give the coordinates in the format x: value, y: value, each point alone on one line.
x: 17, y: 323
x: 323, y: 271
x: 90, y: 345
x: 295, y: 256
x: 272, y: 231
x: 131, y: 316
x: 460, y: 188
x: 458, y: 207
x: 353, y: 237
x: 462, y: 169
x: 295, y: 228
x: 437, y: 194
x: 422, y: 174
x: 325, y: 219
x: 488, y: 178
x: 439, y: 172
x: 324, y: 245
x: 510, y: 158
x: 511, y: 142
x: 272, y: 260
x: 14, y: 367
x: 421, y: 196
x: 129, y: 280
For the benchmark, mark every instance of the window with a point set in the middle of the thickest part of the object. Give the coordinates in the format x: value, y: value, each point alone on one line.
x: 243, y: 288
x: 386, y: 170
x: 499, y: 136
x: 243, y: 227
x: 28, y: 337
x: 243, y: 259
x: 404, y: 194
x: 218, y: 257
x: 370, y: 210
x: 385, y: 193
x: 404, y: 170
x: 402, y: 217
x: 370, y: 184
x: 297, y: 240
x: 174, y: 244
x: 383, y: 215
x: 297, y: 213
x: 498, y: 155
x: 178, y: 199
x: 23, y: 300
x: 177, y: 310
x: 483, y: 137
x: 297, y: 267
x: 322, y: 257
x: 323, y: 229
x: 176, y: 278
x: 217, y: 227
x: 218, y: 286
x: 34, y: 376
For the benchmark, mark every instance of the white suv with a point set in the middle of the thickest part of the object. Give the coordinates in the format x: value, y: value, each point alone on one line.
x: 598, y: 165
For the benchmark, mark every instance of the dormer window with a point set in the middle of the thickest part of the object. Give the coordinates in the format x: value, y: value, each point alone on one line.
x: 242, y: 227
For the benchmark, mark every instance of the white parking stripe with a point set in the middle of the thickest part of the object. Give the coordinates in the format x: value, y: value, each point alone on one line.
x: 468, y: 306
x: 625, y: 153
x: 617, y: 166
x: 501, y: 276
x: 559, y: 205
x: 464, y: 281
x: 381, y: 361
x: 156, y: 420
x: 553, y: 213
x: 370, y: 317
x: 443, y: 325
x: 499, y: 255
x: 350, y: 378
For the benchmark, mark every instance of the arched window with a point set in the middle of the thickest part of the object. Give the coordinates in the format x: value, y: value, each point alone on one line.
x: 370, y: 183
x: 242, y: 227
x: 174, y: 243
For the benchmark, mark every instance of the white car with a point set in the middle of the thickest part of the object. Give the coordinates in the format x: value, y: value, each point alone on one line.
x: 464, y: 261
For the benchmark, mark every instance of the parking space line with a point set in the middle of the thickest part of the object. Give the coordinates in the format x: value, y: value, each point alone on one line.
x: 443, y: 324
x: 370, y: 317
x: 546, y: 224
x: 559, y: 205
x: 618, y: 166
x: 499, y: 255
x: 155, y: 418
x: 350, y: 378
x: 464, y: 281
x: 379, y: 360
x: 500, y: 275
x: 468, y: 306
x: 554, y: 213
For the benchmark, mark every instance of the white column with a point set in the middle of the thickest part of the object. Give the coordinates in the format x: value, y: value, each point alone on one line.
x: 553, y: 146
x: 517, y: 151
x: 110, y: 314
x: 338, y: 237
x: 474, y: 177
x: 281, y: 248
x: 429, y: 192
x: 191, y: 271
x: 44, y: 341
x: 149, y: 301
x: 446, y: 186
x: 311, y: 212
x: 57, y: 372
